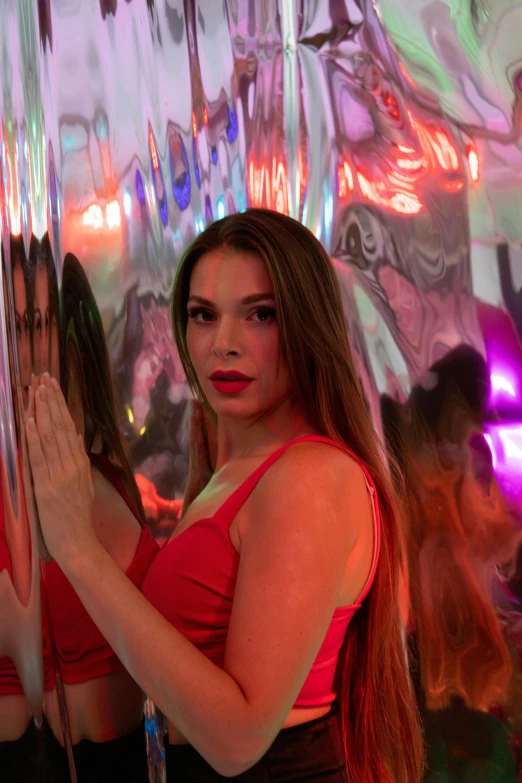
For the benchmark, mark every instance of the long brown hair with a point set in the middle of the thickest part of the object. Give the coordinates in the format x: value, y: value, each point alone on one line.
x: 379, y: 716
x: 82, y: 327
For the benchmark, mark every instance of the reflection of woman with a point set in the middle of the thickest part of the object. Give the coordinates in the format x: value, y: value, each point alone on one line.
x: 459, y: 532
x: 104, y: 704
x: 271, y: 630
x: 44, y: 306
x: 16, y: 731
x: 21, y: 287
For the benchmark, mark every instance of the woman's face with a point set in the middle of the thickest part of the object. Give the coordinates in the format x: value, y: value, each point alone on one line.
x: 22, y: 329
x: 232, y: 328
x: 41, y: 325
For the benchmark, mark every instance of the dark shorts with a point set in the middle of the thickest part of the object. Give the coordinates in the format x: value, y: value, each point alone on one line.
x: 121, y: 759
x: 312, y: 751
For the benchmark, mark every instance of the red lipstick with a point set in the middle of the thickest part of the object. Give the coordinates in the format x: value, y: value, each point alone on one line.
x: 229, y: 381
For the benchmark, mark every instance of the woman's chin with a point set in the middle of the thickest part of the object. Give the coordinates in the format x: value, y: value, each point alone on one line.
x: 233, y: 407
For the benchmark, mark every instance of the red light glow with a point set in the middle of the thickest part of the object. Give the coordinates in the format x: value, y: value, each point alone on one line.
x: 13, y: 201
x: 400, y: 201
x: 153, y: 151
x: 268, y: 188
x: 437, y: 147
x: 473, y: 163
x: 93, y: 216
x: 194, y: 125
x: 344, y: 179
x: 113, y: 214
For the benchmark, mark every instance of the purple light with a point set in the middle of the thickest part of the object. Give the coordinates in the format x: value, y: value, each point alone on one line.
x: 511, y: 439
x: 501, y: 383
x: 493, y: 454
x: 505, y: 442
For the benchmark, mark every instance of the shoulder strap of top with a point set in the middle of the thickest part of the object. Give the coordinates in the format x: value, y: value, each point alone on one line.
x: 233, y: 504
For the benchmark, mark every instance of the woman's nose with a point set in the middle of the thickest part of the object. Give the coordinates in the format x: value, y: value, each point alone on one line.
x: 226, y: 340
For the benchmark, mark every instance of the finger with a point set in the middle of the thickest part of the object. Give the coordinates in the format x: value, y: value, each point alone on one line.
x: 59, y: 426
x: 45, y: 431
x: 37, y: 460
x: 30, y: 404
x: 76, y: 444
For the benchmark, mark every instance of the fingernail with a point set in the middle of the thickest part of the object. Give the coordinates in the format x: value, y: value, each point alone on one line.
x: 31, y: 424
x: 56, y: 385
x: 45, y: 375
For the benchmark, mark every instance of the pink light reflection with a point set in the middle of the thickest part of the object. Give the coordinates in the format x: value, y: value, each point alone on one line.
x: 501, y: 383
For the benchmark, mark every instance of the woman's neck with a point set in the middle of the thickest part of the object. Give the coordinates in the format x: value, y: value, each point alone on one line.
x: 240, y: 438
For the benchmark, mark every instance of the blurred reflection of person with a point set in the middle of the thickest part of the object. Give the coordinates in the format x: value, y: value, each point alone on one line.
x: 17, y: 734
x: 104, y: 704
x: 459, y: 532
x: 21, y: 287
x: 44, y: 306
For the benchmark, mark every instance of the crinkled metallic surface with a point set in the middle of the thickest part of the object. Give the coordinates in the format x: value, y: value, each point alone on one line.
x: 467, y: 55
x: 391, y: 129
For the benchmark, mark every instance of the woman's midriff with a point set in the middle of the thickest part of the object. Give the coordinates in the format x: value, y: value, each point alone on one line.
x: 15, y: 717
x: 296, y: 717
x: 98, y: 710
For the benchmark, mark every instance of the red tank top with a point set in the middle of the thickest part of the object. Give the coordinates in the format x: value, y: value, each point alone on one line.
x: 192, y: 583
x: 83, y: 652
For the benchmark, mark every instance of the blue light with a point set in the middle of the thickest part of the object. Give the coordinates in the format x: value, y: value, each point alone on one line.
x: 196, y: 164
x: 241, y: 205
x: 139, y: 188
x: 232, y: 125
x: 220, y: 209
x: 181, y: 186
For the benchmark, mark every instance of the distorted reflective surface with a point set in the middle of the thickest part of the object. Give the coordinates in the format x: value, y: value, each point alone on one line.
x: 125, y: 127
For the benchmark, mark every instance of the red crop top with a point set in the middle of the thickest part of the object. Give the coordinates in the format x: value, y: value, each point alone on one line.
x: 83, y: 652
x: 192, y: 583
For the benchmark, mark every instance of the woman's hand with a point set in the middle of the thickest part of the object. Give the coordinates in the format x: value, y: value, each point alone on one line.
x: 61, y: 474
x: 203, y: 452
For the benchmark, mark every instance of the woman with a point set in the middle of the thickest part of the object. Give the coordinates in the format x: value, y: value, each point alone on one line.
x: 104, y: 704
x: 252, y: 635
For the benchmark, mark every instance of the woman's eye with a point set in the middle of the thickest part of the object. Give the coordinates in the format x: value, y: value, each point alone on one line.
x: 264, y: 314
x: 199, y: 315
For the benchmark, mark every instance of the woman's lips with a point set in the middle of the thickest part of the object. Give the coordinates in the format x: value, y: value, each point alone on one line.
x: 232, y: 386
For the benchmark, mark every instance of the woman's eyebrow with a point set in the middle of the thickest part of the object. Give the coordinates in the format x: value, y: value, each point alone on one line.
x: 247, y: 300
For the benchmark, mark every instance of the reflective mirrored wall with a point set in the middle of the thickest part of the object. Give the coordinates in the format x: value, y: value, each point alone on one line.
x: 392, y: 130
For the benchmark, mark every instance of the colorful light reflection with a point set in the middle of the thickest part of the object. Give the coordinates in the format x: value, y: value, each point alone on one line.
x: 473, y: 163
x: 505, y: 442
x: 500, y: 383
x: 93, y: 217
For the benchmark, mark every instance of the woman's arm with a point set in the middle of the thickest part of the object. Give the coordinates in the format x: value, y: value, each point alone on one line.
x: 292, y: 564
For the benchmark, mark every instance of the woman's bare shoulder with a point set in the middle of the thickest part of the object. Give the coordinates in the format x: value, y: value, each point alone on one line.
x: 314, y: 478
x: 318, y: 460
